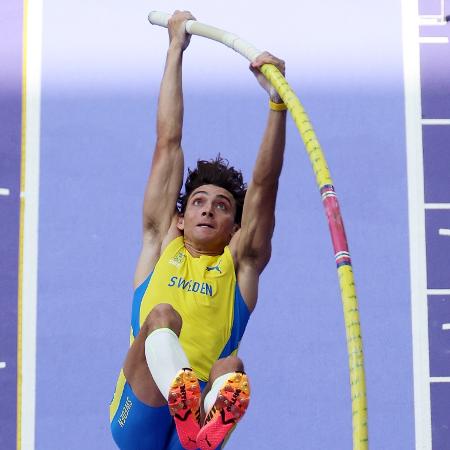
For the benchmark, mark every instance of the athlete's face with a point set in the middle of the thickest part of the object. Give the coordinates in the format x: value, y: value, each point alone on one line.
x: 208, y: 220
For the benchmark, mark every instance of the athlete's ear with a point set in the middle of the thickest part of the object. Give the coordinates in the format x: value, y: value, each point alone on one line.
x: 180, y: 222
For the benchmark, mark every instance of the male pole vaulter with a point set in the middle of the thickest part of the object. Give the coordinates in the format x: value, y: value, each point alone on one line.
x: 196, y: 281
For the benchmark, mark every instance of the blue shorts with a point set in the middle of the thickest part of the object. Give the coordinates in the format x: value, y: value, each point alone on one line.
x: 137, y: 426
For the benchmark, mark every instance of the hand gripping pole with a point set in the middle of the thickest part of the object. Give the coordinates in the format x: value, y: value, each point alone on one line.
x: 332, y: 210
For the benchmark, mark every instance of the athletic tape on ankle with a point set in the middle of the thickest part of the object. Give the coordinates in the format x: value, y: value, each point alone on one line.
x: 165, y: 358
x: 211, y: 396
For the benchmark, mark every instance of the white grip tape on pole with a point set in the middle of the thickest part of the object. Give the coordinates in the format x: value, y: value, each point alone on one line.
x: 231, y: 40
x: 159, y: 18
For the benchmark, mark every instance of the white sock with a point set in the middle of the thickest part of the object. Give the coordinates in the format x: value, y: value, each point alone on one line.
x: 211, y: 396
x: 165, y: 358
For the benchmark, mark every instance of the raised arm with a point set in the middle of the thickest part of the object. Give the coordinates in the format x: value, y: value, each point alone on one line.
x: 166, y: 175
x: 253, y: 242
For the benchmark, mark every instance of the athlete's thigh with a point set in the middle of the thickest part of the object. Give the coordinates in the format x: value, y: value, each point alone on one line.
x: 138, y: 374
x: 137, y: 426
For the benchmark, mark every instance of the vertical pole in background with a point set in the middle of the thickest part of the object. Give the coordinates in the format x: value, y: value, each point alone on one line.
x: 416, y: 210
x: 29, y: 209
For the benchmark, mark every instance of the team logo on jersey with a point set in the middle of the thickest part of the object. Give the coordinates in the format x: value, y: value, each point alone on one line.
x: 178, y: 259
x: 216, y: 267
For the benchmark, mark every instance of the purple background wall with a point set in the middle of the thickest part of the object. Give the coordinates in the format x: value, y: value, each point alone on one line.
x: 97, y: 138
x: 435, y: 84
x: 101, y: 71
x: 10, y: 142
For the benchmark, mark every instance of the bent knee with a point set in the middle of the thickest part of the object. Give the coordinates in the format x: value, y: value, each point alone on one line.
x: 163, y: 315
x: 234, y: 361
x: 225, y: 365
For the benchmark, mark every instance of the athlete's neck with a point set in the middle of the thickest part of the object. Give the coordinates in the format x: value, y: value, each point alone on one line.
x: 197, y: 251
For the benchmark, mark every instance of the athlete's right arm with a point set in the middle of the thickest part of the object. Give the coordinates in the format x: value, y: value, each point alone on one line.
x: 166, y: 174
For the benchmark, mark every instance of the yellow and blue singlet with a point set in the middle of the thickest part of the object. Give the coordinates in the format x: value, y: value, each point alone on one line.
x: 204, y: 291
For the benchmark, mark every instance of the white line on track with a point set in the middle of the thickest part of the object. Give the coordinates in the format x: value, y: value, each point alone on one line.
x: 2, y: 365
x: 416, y: 203
x: 433, y: 40
x: 438, y: 291
x: 33, y: 39
x: 446, y: 326
x: 432, y: 21
x: 444, y: 232
x: 440, y: 379
x: 437, y: 205
x: 435, y: 121
x: 5, y: 191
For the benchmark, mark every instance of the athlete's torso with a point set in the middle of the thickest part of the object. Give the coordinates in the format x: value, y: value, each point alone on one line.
x: 204, y: 292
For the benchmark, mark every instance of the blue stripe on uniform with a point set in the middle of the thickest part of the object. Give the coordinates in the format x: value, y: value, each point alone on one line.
x: 241, y: 316
x: 136, y: 308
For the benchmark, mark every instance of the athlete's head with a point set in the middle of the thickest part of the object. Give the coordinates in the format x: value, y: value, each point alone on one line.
x: 211, y: 206
x: 219, y: 173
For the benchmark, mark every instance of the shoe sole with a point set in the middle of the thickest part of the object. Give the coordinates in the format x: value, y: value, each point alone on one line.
x: 231, y: 404
x: 184, y: 406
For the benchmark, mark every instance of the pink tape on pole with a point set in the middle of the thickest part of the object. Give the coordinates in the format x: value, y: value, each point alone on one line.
x: 338, y: 237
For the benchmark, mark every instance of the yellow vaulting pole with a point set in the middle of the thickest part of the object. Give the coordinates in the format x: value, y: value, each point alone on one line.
x: 332, y: 210
x: 342, y: 256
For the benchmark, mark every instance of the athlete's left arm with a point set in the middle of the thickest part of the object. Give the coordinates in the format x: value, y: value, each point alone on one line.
x: 252, y: 244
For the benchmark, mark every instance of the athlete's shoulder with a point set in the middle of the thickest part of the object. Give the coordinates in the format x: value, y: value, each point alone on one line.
x: 233, y: 246
x: 152, y: 249
x: 172, y: 235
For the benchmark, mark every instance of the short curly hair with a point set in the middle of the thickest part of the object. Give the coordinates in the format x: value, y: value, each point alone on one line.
x: 219, y: 173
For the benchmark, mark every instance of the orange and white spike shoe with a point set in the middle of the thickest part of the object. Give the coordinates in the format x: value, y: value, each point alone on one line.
x: 229, y: 407
x: 184, y: 406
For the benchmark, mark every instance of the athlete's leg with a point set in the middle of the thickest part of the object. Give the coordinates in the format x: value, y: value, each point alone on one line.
x: 224, y: 402
x: 221, y: 367
x: 136, y: 368
x: 135, y: 425
x: 140, y: 419
x: 159, y: 371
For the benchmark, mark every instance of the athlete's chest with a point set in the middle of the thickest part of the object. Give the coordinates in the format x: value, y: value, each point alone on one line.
x: 205, y: 276
x: 208, y: 280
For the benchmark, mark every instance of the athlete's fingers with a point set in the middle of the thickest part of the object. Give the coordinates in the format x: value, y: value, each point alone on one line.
x: 181, y: 16
x: 268, y: 58
x: 177, y: 27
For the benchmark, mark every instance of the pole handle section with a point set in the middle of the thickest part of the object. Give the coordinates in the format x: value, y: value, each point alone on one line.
x: 159, y: 18
x: 231, y: 40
